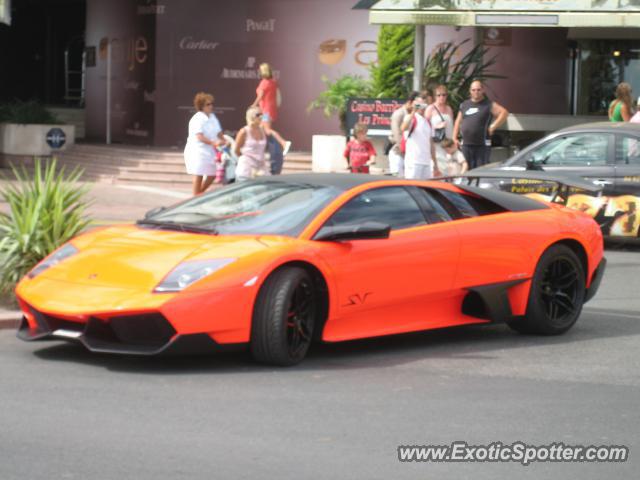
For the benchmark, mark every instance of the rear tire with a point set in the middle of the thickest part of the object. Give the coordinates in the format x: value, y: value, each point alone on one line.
x: 284, y: 317
x: 556, y: 296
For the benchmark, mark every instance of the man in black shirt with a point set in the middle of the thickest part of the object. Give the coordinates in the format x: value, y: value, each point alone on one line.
x: 477, y: 120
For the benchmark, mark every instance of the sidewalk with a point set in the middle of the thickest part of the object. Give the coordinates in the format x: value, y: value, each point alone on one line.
x: 123, y: 203
x: 110, y: 204
x: 9, y: 319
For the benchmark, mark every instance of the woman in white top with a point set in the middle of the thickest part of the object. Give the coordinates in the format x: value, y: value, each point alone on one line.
x: 205, y: 134
x: 250, y: 147
x: 419, y: 149
x: 440, y: 114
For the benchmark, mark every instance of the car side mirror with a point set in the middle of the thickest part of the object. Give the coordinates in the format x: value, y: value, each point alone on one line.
x: 154, y: 211
x: 534, y: 163
x: 360, y: 231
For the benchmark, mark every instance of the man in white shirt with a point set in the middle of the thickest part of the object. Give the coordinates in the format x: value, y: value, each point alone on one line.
x: 396, y: 158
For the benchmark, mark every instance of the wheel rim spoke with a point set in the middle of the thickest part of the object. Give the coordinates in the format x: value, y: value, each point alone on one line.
x: 298, y: 321
x: 558, y: 289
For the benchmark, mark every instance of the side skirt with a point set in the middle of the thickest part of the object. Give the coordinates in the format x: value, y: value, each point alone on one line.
x: 490, y: 302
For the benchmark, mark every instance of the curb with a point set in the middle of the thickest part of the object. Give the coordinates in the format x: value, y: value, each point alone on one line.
x: 10, y: 320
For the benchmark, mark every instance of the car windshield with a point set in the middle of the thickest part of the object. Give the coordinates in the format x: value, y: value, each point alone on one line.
x: 249, y: 208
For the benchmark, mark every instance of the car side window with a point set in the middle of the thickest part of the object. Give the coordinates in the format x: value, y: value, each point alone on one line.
x: 459, y: 205
x: 580, y: 150
x: 628, y: 150
x: 393, y: 206
x: 434, y: 210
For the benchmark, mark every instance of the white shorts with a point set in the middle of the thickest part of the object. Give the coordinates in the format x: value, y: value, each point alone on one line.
x: 396, y: 162
x: 418, y: 171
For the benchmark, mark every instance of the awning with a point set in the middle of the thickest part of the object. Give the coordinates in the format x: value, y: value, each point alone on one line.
x: 508, y: 13
x: 5, y: 11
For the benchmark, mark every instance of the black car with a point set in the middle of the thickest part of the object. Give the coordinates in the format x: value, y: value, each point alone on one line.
x: 604, y: 153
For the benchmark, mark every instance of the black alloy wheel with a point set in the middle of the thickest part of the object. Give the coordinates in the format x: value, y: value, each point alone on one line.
x: 284, y: 316
x: 559, y: 290
x: 557, y: 293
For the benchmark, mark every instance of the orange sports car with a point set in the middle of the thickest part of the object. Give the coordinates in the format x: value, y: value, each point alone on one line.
x: 277, y: 262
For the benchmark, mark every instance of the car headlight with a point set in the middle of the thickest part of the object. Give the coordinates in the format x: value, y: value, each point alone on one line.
x: 55, y: 258
x: 190, y: 271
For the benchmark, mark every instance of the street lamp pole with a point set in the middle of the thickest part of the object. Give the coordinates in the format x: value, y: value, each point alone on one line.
x: 418, y: 57
x: 108, y: 109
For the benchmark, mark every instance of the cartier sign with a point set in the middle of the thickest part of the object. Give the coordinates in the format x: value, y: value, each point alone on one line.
x: 190, y: 43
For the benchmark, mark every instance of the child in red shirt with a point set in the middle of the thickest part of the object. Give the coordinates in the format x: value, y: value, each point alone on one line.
x: 359, y: 151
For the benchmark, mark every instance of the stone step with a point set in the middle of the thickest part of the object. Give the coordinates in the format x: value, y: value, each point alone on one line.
x: 146, y: 165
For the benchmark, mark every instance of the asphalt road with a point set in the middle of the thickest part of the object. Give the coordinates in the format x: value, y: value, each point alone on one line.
x: 68, y: 414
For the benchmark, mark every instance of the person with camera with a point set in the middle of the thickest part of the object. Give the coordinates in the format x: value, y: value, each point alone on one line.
x: 440, y: 115
x: 419, y: 148
x: 396, y: 156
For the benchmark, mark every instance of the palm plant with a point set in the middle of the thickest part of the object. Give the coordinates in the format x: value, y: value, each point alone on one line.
x: 45, y: 212
x: 440, y: 68
x: 333, y: 100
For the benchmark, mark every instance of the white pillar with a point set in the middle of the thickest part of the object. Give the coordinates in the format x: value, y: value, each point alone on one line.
x: 418, y: 57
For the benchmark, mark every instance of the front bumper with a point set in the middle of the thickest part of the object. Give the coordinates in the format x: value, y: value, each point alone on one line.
x: 595, y: 280
x: 141, y: 334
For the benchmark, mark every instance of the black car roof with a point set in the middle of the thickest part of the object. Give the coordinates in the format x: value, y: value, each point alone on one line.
x: 345, y: 181
x: 613, y: 127
x: 341, y: 181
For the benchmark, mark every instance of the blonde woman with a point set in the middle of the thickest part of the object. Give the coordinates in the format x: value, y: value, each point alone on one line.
x: 267, y: 100
x: 440, y: 115
x: 620, y: 108
x: 205, y: 134
x: 250, y: 147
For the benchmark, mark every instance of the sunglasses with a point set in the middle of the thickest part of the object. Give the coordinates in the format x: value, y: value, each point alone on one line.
x: 257, y: 114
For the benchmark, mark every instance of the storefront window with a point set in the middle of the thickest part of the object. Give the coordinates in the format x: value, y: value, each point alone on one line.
x: 603, y: 64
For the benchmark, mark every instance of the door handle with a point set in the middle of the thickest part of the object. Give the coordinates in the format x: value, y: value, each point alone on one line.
x: 602, y: 182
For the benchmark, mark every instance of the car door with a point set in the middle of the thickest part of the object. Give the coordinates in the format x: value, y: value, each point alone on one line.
x: 623, y: 207
x: 395, y: 284
x: 587, y: 154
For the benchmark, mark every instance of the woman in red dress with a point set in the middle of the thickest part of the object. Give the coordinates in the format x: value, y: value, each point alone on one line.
x: 267, y: 100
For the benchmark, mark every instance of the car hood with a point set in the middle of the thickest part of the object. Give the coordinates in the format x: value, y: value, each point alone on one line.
x: 139, y: 258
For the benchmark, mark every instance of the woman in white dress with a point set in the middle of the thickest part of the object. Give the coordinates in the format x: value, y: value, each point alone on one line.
x: 440, y: 115
x: 205, y: 134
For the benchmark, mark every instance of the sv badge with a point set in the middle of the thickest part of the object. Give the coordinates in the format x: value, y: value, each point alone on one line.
x: 357, y: 299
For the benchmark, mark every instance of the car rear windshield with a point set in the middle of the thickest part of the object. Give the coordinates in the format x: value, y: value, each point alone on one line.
x: 251, y: 208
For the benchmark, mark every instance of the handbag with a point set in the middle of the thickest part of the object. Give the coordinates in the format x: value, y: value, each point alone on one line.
x: 403, y: 140
x: 439, y: 134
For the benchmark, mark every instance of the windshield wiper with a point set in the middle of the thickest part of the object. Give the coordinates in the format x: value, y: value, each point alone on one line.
x: 182, y: 227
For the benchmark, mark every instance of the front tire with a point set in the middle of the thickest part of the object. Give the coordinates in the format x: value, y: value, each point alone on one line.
x: 556, y: 296
x: 283, y: 317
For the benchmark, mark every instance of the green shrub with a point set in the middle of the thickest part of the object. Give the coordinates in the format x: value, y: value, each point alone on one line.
x: 333, y: 100
x: 29, y: 112
x: 45, y: 212
x: 391, y: 74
